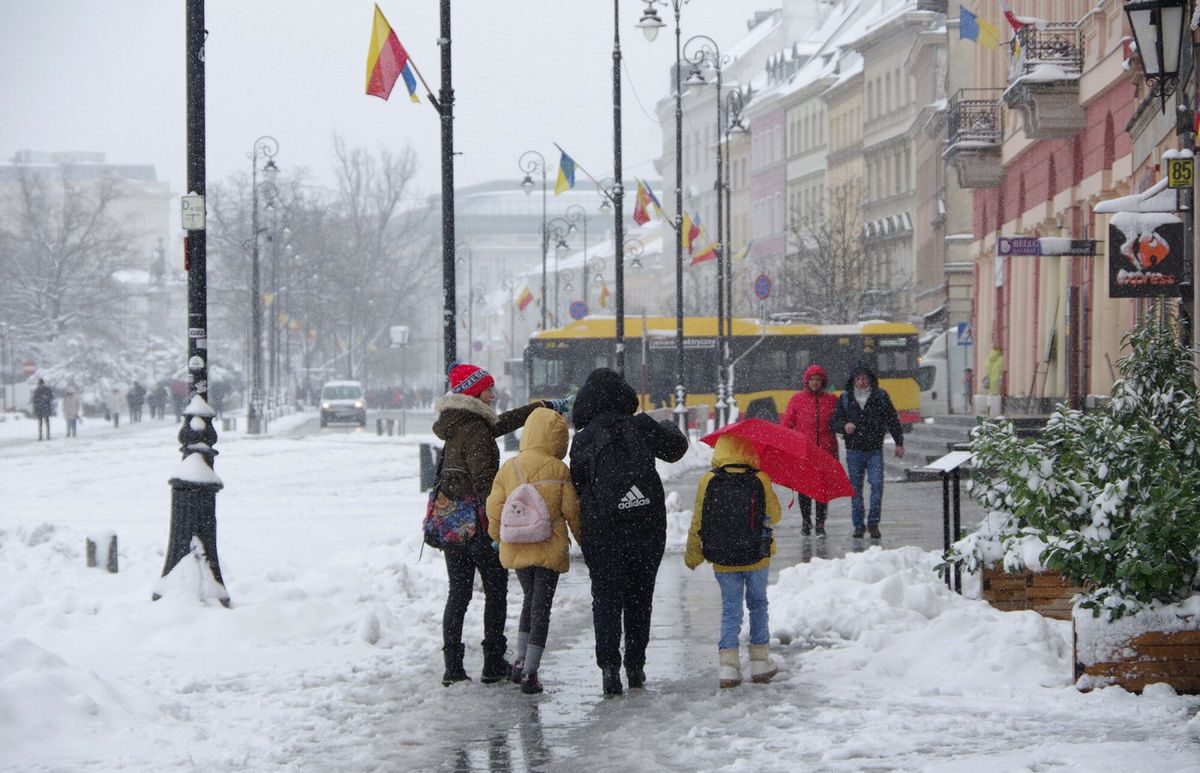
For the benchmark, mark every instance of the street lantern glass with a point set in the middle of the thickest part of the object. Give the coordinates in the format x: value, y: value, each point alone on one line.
x: 650, y: 24
x: 270, y: 172
x: 605, y: 206
x: 527, y: 184
x: 1158, y: 27
x: 695, y: 78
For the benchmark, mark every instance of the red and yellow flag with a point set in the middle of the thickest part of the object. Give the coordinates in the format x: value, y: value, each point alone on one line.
x: 641, y: 201
x: 387, y: 60
x: 524, y: 299
x: 604, y: 296
x: 706, y: 254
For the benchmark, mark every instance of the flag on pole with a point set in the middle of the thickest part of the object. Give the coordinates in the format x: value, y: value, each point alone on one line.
x: 653, y: 200
x: 524, y: 299
x: 689, y: 231
x: 706, y: 254
x: 971, y: 27
x: 604, y: 296
x: 641, y: 202
x: 743, y: 252
x: 1013, y: 21
x: 566, y: 173
x: 386, y: 61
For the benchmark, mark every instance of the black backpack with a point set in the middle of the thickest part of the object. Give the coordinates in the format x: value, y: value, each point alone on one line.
x: 621, y: 475
x: 733, y: 517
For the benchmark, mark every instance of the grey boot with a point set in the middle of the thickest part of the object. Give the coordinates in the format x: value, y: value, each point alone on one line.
x: 730, y: 672
x: 762, y: 668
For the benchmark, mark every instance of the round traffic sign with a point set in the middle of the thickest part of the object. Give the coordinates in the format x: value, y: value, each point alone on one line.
x: 477, y: 345
x: 762, y: 287
x: 578, y: 310
x: 29, y: 367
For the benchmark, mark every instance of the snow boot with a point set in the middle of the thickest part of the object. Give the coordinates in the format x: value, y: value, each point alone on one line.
x: 762, y: 668
x: 612, y: 680
x: 730, y: 671
x: 530, y: 684
x: 453, y: 654
x: 517, y: 669
x: 495, y: 667
x: 636, y: 677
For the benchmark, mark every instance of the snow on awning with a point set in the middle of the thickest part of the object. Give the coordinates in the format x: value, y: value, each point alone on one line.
x: 888, y: 225
x: 1157, y: 198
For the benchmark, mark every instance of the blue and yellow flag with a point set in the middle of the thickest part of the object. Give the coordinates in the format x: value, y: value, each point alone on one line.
x: 566, y: 173
x: 971, y: 27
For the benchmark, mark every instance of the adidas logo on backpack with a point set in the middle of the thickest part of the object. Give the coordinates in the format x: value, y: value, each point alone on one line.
x: 633, y: 498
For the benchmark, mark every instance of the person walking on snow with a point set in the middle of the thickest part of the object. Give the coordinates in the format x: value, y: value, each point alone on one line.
x: 43, y: 405
x: 538, y: 564
x: 469, y: 427
x: 624, y: 516
x: 734, y: 456
x: 113, y: 404
x: 808, y: 413
x: 863, y: 414
x: 70, y: 409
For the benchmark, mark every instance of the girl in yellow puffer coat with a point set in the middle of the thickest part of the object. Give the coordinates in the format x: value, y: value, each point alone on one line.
x: 538, y: 564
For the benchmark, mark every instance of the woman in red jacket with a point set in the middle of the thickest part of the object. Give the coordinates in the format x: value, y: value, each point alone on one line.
x: 808, y: 413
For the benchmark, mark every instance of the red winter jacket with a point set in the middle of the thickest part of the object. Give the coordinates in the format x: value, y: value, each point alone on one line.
x: 808, y: 412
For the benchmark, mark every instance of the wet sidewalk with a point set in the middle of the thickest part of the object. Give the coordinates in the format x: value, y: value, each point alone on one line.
x: 572, y: 727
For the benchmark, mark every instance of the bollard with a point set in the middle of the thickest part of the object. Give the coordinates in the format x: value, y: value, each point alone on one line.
x: 391, y: 425
x: 106, y: 545
x: 379, y: 427
x: 511, y: 442
x: 225, y: 425
x: 429, y: 458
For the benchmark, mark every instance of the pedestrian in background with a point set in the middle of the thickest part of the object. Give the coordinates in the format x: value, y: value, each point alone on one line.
x: 722, y: 532
x: 43, y: 405
x: 993, y: 379
x: 624, y: 516
x: 808, y: 412
x: 137, y: 398
x: 538, y: 564
x: 70, y: 409
x: 864, y: 413
x: 113, y: 406
x: 469, y: 426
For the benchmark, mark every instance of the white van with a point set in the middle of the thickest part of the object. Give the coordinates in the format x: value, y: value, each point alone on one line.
x: 940, y: 376
x: 343, y: 401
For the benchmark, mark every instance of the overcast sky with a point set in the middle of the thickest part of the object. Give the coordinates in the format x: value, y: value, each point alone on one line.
x: 108, y: 75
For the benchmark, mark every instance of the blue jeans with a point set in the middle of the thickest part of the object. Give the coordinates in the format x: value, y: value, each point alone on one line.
x: 870, y: 462
x: 753, y: 585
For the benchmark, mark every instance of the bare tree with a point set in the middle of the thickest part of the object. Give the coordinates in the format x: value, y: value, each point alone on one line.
x: 60, y: 245
x: 834, y: 273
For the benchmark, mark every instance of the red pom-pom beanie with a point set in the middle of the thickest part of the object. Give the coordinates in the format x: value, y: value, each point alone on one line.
x: 467, y: 379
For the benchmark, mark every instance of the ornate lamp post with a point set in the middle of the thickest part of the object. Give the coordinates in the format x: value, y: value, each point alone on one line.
x: 557, y: 228
x: 732, y: 124
x: 617, y: 195
x: 704, y: 53
x: 577, y: 214
x: 650, y: 24
x: 531, y: 161
x: 265, y: 147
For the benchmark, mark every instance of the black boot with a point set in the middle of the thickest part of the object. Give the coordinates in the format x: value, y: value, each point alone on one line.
x: 495, y: 667
x: 453, y: 654
x: 636, y: 676
x: 612, y: 680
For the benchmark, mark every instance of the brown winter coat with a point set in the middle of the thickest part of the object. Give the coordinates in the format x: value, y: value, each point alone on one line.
x: 543, y: 446
x: 470, y: 427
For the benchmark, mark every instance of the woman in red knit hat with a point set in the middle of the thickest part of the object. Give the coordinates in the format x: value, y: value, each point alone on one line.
x: 469, y: 426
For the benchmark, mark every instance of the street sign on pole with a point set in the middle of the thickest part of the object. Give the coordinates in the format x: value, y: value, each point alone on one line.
x: 578, y: 310
x: 762, y: 287
x: 1181, y: 172
x: 966, y: 336
x: 29, y: 367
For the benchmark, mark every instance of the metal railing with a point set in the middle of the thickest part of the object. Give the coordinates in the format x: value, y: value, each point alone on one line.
x: 1055, y: 44
x: 975, y: 115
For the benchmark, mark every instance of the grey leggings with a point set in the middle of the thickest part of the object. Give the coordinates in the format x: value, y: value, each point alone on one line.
x: 539, y: 585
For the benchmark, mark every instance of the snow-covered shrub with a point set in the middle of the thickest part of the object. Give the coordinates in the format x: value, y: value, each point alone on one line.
x: 1113, y: 494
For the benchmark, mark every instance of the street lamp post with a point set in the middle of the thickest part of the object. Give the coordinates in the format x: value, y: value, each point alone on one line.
x: 6, y: 373
x: 558, y: 228
x: 618, y: 195
x: 732, y: 125
x: 577, y: 214
x: 706, y: 53
x: 264, y: 147
x: 531, y: 161
x: 650, y: 24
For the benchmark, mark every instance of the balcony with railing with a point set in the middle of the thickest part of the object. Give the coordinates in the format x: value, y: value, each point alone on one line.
x: 975, y: 123
x: 1046, y: 64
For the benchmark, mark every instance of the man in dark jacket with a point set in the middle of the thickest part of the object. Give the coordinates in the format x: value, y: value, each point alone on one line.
x: 43, y: 405
x: 469, y: 426
x: 863, y: 414
x: 624, y: 516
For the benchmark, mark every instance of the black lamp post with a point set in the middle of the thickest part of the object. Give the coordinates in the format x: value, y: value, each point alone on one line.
x: 576, y: 214
x: 557, y: 228
x: 617, y: 195
x: 264, y: 147
x: 1158, y: 27
x: 732, y: 124
x: 706, y: 53
x: 650, y: 24
x: 531, y: 161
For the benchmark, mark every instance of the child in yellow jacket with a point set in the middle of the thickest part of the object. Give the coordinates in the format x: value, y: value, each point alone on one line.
x: 538, y: 564
x: 735, y: 456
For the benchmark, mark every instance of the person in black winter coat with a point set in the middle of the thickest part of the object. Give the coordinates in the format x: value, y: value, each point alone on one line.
x: 624, y: 516
x: 43, y: 405
x: 863, y: 414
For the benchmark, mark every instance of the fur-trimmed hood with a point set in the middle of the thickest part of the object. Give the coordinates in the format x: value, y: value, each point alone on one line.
x: 453, y: 409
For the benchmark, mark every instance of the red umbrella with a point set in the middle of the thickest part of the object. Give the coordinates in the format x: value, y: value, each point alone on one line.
x: 791, y: 459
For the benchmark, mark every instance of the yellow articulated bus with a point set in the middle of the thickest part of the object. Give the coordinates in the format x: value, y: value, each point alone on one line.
x: 768, y: 358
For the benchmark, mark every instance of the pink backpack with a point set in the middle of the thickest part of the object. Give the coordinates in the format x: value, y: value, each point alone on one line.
x: 525, y: 517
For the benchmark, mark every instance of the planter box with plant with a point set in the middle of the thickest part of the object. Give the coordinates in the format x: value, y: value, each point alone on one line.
x: 1110, y: 498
